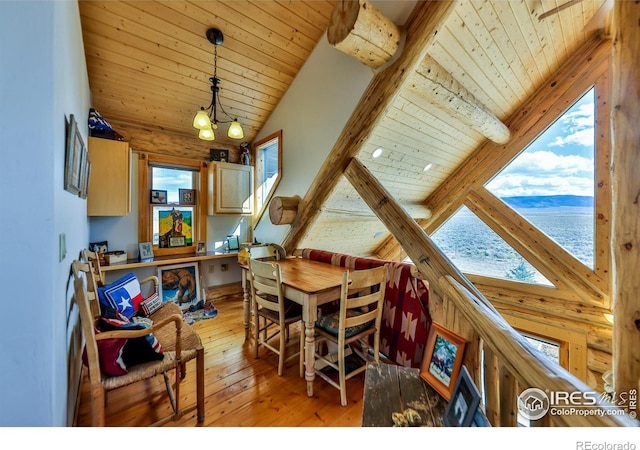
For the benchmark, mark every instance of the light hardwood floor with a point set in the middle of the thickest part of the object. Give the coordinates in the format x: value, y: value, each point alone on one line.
x: 239, y: 390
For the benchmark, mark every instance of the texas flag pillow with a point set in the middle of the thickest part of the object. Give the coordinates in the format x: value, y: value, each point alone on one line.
x: 122, y: 296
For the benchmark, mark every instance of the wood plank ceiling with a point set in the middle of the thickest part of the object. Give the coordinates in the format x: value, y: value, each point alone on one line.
x: 149, y: 64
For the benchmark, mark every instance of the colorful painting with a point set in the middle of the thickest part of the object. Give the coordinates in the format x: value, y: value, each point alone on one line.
x: 180, y: 283
x: 175, y: 223
x: 442, y: 359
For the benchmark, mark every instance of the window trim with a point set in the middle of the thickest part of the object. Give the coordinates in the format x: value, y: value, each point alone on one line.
x: 145, y: 233
x: 260, y: 211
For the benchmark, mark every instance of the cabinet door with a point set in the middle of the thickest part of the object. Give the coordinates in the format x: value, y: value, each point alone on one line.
x: 110, y: 178
x: 230, y: 188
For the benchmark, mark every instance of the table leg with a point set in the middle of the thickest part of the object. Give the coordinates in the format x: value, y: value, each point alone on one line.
x: 246, y: 305
x: 309, y: 355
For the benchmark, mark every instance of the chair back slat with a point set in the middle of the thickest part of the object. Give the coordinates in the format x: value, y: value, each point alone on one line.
x: 270, y: 252
x: 362, y: 293
x: 87, y: 319
x: 265, y: 280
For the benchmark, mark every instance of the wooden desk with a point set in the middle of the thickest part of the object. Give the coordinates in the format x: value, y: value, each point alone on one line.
x: 389, y: 388
x: 310, y: 284
x: 173, y: 259
x: 164, y: 260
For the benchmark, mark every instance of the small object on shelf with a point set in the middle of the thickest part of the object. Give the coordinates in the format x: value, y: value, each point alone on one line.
x: 219, y: 155
x: 114, y: 257
x: 201, y: 248
x: 146, y: 251
x: 245, y: 154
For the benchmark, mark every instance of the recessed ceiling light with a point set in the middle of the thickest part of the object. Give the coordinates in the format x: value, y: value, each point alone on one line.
x: 427, y: 167
x: 379, y: 234
x: 377, y: 152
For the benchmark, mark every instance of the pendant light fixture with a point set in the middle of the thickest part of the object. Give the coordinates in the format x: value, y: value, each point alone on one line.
x: 206, y: 119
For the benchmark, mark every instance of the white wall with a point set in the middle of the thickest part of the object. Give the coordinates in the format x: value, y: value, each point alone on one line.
x: 313, y: 112
x: 311, y: 115
x: 42, y: 81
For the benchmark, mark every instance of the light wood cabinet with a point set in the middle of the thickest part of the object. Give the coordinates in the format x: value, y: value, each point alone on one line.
x: 230, y: 188
x: 110, y: 178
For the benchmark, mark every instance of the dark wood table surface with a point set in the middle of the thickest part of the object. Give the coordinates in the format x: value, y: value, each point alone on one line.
x: 389, y: 388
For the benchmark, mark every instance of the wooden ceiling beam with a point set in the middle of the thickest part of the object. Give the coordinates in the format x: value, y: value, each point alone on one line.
x: 438, y: 87
x: 360, y: 30
x: 359, y: 208
x: 625, y: 244
x: 426, y: 20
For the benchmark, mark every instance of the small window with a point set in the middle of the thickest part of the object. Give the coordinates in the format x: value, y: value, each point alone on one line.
x: 268, y: 170
x: 171, y: 203
x: 174, y: 220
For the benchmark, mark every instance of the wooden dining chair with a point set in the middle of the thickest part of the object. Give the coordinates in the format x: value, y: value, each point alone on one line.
x: 273, y: 313
x: 357, y: 321
x: 269, y: 252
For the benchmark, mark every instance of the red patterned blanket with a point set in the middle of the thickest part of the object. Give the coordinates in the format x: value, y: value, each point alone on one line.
x: 406, y: 320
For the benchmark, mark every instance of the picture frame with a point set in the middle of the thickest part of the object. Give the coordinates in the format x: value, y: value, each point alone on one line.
x: 86, y: 174
x: 73, y: 158
x: 146, y: 251
x: 220, y: 155
x: 177, y: 241
x: 480, y: 420
x: 465, y: 400
x: 175, y: 226
x: 180, y: 283
x: 201, y: 248
x: 442, y: 359
x: 187, y: 196
x: 158, y: 197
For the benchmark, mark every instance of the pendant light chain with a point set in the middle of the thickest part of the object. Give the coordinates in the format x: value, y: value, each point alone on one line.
x: 206, y: 119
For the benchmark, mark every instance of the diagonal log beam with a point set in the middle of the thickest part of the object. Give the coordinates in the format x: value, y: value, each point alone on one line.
x: 426, y: 256
x: 425, y: 21
x: 433, y: 83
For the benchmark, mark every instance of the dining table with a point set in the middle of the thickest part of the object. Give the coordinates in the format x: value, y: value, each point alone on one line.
x: 310, y: 284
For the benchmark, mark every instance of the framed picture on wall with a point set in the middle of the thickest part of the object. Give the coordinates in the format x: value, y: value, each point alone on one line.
x: 187, y: 196
x: 158, y: 197
x: 442, y: 359
x: 73, y: 158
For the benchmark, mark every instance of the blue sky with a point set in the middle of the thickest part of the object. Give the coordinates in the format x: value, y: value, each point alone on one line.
x: 171, y: 180
x: 559, y: 162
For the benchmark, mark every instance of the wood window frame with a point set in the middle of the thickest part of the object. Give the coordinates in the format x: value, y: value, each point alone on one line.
x: 145, y: 232
x: 259, y: 211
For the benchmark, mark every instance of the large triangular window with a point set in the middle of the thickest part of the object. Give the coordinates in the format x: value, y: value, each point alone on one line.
x: 551, y: 183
